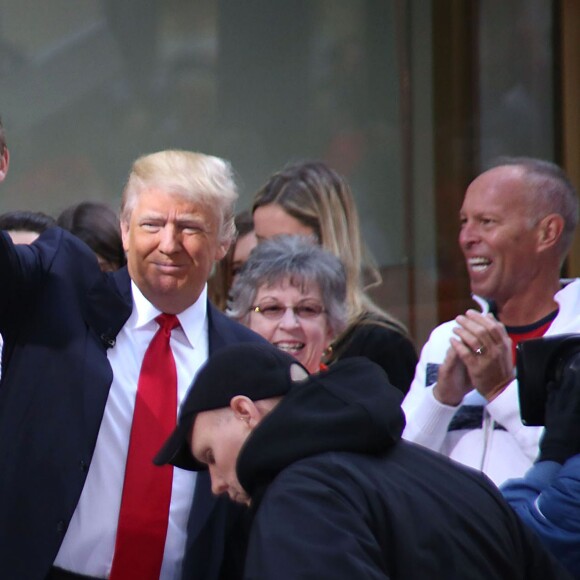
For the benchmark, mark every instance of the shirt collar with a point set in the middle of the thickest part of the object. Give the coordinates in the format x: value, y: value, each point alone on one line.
x: 192, y: 319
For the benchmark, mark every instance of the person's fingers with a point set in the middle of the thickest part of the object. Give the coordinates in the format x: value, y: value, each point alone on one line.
x: 494, y: 330
x: 473, y: 339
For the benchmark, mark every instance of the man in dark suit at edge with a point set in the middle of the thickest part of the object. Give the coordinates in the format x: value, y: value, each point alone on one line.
x: 75, y: 340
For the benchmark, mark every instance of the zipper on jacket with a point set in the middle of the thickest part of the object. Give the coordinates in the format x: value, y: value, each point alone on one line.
x: 487, y: 428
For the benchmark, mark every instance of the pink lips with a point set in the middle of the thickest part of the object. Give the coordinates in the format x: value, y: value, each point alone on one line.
x: 169, y: 268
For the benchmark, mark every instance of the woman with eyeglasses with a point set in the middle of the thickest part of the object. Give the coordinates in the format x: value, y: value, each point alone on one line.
x: 292, y: 292
x: 310, y: 198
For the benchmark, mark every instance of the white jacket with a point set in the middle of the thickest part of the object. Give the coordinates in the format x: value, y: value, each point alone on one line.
x: 487, y: 436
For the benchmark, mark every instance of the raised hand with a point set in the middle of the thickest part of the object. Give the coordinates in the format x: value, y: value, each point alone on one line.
x: 485, y: 349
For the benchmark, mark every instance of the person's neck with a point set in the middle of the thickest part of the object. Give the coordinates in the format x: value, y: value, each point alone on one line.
x: 527, y: 308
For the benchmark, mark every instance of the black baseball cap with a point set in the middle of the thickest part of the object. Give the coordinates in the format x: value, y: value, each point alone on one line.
x: 254, y: 369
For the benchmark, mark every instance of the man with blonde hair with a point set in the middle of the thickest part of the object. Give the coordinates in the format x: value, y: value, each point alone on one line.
x: 95, y: 368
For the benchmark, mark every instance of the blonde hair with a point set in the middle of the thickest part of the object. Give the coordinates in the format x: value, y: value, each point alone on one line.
x: 221, y: 279
x: 321, y: 199
x: 202, y: 178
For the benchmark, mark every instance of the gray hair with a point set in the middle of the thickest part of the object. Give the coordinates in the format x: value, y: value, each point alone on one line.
x: 550, y: 192
x: 203, y: 178
x: 299, y: 259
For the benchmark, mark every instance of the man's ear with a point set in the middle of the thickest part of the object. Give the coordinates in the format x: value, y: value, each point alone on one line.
x: 125, y: 233
x: 550, y: 231
x: 245, y: 410
x: 222, y: 250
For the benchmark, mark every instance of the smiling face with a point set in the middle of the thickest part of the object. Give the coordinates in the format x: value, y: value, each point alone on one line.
x: 272, y: 220
x: 216, y: 439
x: 498, y: 237
x: 171, y: 244
x: 305, y: 338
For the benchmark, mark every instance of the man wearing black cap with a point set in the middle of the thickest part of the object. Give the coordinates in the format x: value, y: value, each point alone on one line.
x: 334, y: 491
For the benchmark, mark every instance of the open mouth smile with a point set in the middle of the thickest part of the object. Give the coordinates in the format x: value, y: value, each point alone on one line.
x: 478, y: 264
x: 290, y: 347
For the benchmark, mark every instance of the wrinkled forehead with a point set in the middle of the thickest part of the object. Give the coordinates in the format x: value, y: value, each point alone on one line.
x: 166, y: 201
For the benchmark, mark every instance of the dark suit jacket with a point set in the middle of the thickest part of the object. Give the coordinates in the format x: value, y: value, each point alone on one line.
x: 58, y: 316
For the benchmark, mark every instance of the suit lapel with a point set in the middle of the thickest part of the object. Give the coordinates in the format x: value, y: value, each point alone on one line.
x: 105, y: 311
x: 219, y: 326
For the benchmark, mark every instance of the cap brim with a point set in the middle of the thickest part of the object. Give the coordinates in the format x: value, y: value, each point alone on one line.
x: 176, y: 451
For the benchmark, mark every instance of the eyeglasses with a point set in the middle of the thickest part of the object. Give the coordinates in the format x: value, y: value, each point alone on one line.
x: 304, y: 311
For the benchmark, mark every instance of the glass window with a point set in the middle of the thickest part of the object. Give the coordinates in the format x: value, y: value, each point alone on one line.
x: 88, y: 87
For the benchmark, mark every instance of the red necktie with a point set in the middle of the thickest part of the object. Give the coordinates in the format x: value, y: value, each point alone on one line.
x: 146, y: 496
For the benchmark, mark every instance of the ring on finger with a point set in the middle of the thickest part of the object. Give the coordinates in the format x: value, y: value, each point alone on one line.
x: 479, y: 350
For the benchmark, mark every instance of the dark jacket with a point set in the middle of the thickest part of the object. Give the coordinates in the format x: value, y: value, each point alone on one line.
x: 338, y: 495
x: 58, y: 316
x: 380, y: 341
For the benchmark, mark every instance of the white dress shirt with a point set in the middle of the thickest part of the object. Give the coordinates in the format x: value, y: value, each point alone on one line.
x: 89, y: 542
